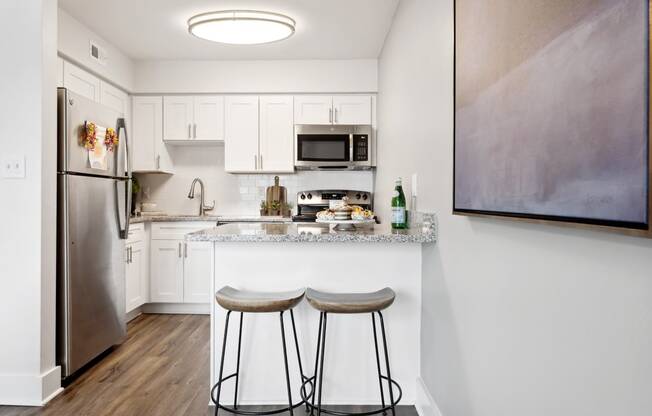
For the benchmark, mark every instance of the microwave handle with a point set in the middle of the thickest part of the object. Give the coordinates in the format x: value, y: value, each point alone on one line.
x: 351, y: 156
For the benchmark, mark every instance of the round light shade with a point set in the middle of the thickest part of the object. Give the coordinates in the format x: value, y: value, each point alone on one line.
x: 241, y: 27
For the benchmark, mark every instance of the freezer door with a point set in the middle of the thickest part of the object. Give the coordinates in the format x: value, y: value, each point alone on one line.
x: 73, y: 111
x: 92, y: 270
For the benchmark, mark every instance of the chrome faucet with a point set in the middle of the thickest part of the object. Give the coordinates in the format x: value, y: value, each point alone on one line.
x: 191, y: 195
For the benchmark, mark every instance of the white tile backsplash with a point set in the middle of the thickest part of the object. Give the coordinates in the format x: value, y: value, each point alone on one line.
x: 235, y: 194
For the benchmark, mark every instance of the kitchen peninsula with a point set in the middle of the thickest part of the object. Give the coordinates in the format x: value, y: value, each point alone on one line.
x: 279, y: 257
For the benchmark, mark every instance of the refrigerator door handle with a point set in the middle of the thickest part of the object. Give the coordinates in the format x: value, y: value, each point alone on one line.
x: 124, y: 231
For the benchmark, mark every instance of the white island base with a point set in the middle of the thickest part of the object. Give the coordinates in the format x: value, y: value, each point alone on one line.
x: 350, y: 374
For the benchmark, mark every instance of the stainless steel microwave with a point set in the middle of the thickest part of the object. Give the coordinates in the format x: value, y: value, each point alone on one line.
x: 332, y: 147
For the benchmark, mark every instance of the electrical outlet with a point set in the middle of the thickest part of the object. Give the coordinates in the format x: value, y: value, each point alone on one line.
x: 13, y: 167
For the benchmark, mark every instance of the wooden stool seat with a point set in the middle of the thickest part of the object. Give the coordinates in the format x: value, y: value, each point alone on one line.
x: 245, y: 301
x: 350, y: 302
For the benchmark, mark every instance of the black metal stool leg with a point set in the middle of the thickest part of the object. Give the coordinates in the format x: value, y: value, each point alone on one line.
x: 380, y: 377
x: 287, y: 371
x: 389, y: 374
x: 219, y: 378
x: 321, y: 365
x: 314, y: 388
x: 296, y: 345
x: 237, y: 365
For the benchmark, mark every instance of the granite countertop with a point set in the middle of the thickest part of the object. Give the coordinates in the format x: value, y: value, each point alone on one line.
x: 309, y: 233
x: 207, y: 218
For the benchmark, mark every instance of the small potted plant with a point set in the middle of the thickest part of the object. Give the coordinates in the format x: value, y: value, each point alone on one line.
x: 135, y: 189
x: 263, y: 208
x: 274, y: 208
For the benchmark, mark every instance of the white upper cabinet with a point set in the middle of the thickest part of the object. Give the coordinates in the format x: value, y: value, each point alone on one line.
x: 81, y: 82
x: 114, y: 98
x: 352, y: 109
x: 149, y: 153
x: 177, y: 118
x: 313, y: 109
x: 276, y: 134
x: 208, y: 118
x: 241, y: 138
x: 190, y: 118
x: 336, y: 109
x: 60, y: 72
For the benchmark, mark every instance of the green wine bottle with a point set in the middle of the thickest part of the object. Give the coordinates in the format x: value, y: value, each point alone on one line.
x: 399, y: 214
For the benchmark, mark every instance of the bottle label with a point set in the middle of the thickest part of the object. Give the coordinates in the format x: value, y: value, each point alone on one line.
x: 398, y: 215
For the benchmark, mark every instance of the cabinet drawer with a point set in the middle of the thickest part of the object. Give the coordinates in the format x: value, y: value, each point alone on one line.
x: 136, y: 233
x: 178, y: 230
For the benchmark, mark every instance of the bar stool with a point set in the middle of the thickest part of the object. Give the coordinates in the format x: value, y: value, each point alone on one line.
x: 351, y: 303
x: 234, y: 300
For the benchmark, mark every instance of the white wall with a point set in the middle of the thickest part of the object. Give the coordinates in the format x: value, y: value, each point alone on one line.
x: 74, y: 44
x: 27, y: 262
x: 283, y: 76
x: 517, y: 319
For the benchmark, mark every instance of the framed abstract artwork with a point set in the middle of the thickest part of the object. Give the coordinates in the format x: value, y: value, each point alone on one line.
x: 552, y: 111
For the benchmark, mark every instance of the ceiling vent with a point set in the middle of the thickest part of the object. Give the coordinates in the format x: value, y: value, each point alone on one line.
x: 98, y: 54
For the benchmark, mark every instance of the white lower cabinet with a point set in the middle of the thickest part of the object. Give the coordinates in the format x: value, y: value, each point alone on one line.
x: 137, y: 268
x: 167, y: 271
x: 197, y: 270
x: 136, y: 285
x: 180, y: 270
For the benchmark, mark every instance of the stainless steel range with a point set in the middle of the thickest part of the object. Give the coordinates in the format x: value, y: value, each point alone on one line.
x: 309, y: 203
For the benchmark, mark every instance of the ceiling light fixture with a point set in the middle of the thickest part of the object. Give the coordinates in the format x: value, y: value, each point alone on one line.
x: 241, y: 27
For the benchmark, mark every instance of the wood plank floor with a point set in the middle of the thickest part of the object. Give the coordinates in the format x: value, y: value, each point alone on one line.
x: 161, y: 370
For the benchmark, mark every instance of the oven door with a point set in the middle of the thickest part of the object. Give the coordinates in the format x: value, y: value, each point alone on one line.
x: 323, y: 150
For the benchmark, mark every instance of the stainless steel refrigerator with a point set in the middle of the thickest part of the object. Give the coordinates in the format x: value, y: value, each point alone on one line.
x: 92, y: 225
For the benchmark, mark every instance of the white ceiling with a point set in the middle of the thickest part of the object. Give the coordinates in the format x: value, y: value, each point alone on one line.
x: 156, y: 29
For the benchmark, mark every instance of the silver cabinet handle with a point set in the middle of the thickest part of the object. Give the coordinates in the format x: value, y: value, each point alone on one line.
x: 131, y: 254
x: 185, y: 250
x: 261, y: 161
x: 256, y: 162
x: 189, y: 127
x: 330, y: 115
x: 127, y: 254
x: 158, y: 162
x: 335, y: 117
x: 179, y: 249
x: 194, y: 131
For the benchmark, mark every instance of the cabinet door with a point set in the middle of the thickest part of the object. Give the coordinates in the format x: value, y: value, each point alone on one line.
x: 81, y: 82
x: 197, y: 272
x: 146, y: 131
x: 59, y: 72
x: 241, y: 140
x: 276, y: 134
x: 352, y: 109
x: 135, y: 285
x: 166, y: 277
x: 208, y: 118
x: 177, y: 118
x: 113, y: 97
x: 313, y: 109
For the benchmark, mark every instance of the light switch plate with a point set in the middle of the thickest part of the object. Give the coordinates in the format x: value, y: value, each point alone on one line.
x: 13, y: 167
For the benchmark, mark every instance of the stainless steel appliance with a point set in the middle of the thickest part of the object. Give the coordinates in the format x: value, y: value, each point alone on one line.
x: 309, y: 203
x: 92, y: 225
x: 333, y: 147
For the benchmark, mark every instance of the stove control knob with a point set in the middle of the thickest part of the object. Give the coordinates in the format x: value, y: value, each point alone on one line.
x: 303, y: 196
x: 309, y: 196
x: 365, y: 197
x: 357, y: 196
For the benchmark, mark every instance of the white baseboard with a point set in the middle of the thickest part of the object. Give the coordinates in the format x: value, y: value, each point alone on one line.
x: 425, y: 404
x: 177, y: 308
x: 131, y: 315
x: 27, y: 390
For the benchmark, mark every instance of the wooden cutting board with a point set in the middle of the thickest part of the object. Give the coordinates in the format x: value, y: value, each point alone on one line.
x: 276, y: 192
